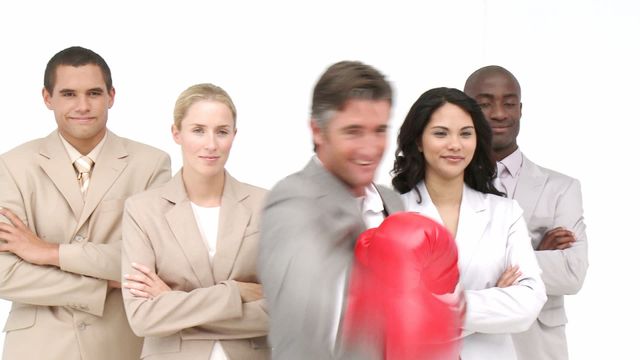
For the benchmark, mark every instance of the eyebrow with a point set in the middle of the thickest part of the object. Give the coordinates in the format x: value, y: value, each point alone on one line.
x: 492, y: 96
x: 97, y: 89
x: 446, y: 128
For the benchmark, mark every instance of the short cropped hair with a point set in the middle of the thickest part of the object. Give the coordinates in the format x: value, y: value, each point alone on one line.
x: 75, y: 56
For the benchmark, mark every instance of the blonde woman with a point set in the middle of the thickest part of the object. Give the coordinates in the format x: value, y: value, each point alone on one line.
x: 189, y: 247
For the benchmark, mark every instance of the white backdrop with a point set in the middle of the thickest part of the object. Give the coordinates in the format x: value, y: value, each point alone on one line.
x: 577, y: 62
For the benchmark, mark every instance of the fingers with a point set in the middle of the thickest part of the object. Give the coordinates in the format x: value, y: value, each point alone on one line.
x: 140, y: 294
x: 13, y: 218
x: 509, y: 276
x: 559, y: 231
x: 6, y: 231
x: 143, y: 269
x: 139, y: 279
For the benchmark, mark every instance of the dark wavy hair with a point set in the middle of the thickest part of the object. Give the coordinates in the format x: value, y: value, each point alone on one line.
x: 409, y: 166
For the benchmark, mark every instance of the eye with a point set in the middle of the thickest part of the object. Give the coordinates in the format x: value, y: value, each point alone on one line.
x: 381, y: 130
x: 95, y: 93
x: 439, y: 133
x: 466, y: 134
x: 223, y: 132
x: 484, y: 105
x: 353, y: 132
x: 68, y: 94
x: 510, y: 104
x: 197, y: 130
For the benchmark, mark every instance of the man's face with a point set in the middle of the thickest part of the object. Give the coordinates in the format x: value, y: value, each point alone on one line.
x: 499, y: 98
x: 80, y: 103
x: 353, y: 141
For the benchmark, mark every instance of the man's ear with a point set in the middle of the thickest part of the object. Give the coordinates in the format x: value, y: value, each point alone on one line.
x: 316, y: 131
x: 47, y: 98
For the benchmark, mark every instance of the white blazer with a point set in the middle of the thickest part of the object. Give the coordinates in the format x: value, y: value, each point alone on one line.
x: 492, y: 235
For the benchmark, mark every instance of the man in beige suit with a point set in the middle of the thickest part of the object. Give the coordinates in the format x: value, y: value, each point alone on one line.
x: 62, y: 200
x: 552, y: 204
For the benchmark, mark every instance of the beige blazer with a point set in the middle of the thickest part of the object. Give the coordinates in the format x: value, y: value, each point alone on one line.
x: 68, y: 312
x: 160, y: 231
x: 550, y: 199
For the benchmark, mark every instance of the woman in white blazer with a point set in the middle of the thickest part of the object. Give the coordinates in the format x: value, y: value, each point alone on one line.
x: 190, y: 247
x: 443, y: 169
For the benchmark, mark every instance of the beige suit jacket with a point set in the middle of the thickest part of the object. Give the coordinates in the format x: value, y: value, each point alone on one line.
x: 69, y: 312
x: 160, y: 231
x: 550, y: 199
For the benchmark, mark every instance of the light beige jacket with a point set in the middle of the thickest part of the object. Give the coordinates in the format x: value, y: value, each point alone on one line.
x: 160, y: 231
x: 68, y: 312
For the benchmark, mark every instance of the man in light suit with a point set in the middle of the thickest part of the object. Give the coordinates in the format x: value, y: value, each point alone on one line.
x: 552, y: 204
x: 60, y: 221
x: 313, y: 217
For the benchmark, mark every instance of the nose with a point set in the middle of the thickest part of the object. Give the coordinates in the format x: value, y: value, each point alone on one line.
x: 454, y: 143
x: 83, y: 105
x: 373, y: 145
x: 210, y: 142
x: 498, y: 113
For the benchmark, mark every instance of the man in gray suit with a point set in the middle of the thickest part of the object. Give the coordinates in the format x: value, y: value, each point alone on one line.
x: 313, y: 217
x: 552, y: 204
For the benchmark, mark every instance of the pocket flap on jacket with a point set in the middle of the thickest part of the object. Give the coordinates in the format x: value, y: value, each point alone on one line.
x: 160, y: 345
x: 259, y: 343
x: 553, y: 317
x: 20, y: 317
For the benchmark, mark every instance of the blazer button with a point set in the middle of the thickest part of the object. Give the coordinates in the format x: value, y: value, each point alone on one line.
x: 78, y: 238
x: 82, y: 326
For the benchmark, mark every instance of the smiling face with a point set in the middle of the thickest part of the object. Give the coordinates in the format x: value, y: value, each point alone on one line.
x: 353, y: 141
x: 448, y: 142
x: 206, y: 134
x: 80, y: 103
x: 498, y: 95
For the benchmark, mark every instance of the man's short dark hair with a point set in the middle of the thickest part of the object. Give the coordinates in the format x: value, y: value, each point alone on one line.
x: 75, y: 56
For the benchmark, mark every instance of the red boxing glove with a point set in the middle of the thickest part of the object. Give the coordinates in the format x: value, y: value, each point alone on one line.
x: 402, y: 299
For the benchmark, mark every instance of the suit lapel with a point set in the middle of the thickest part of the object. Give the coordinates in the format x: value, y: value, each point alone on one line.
x: 185, y: 229
x: 234, y: 218
x: 531, y: 180
x: 111, y: 161
x: 340, y: 203
x: 472, y: 223
x: 55, y: 162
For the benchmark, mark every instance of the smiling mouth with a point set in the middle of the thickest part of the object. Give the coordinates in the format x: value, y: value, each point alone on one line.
x: 454, y: 158
x: 363, y: 163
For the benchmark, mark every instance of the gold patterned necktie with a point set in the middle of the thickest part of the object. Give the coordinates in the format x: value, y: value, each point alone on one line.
x: 84, y: 166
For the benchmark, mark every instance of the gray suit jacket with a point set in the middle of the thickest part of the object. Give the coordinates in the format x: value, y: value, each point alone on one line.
x: 310, y: 224
x: 550, y: 199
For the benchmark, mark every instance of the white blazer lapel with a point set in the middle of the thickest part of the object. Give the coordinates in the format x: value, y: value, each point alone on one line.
x: 472, y: 223
x: 426, y: 206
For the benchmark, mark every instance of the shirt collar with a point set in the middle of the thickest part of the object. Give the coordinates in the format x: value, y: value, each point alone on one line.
x: 372, y: 201
x: 513, y: 163
x: 74, y: 154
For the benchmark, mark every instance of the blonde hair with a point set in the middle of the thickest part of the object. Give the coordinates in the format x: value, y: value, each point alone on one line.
x: 200, y: 92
